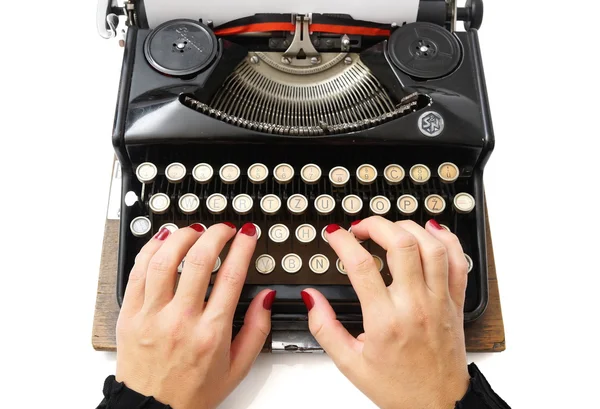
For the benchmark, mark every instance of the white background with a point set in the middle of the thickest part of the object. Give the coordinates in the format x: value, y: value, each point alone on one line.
x: 58, y: 91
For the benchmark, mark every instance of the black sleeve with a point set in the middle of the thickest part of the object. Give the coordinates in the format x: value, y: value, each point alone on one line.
x: 480, y: 394
x: 119, y: 396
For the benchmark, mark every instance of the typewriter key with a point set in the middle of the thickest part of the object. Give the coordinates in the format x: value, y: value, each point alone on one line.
x: 279, y: 233
x: 448, y: 172
x: 469, y: 263
x: 366, y: 174
x: 140, y: 226
x: 407, y: 204
x: 311, y: 174
x: 217, y: 265
x: 339, y: 176
x: 445, y: 227
x: 180, y: 266
x: 291, y: 263
x: 357, y: 239
x: 305, y: 233
x: 265, y: 264
x: 202, y: 173
x: 257, y: 173
x: 378, y: 262
x: 175, y: 172
x: 283, y: 173
x: 324, y: 204
x: 319, y: 264
x: 171, y: 226
x: 394, y: 174
x: 242, y: 204
x: 159, y: 203
x: 229, y: 173
x: 189, y: 203
x: 270, y: 204
x: 146, y: 172
x: 297, y: 204
x: 340, y: 267
x: 464, y: 203
x: 352, y: 205
x: 216, y: 203
x: 258, y: 231
x: 435, y: 204
x: 419, y: 174
x: 380, y: 205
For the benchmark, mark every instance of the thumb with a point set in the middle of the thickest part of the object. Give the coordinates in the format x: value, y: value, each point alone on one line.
x: 342, y: 347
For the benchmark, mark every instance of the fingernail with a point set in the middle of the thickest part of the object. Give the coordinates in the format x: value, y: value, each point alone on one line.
x: 332, y: 228
x: 229, y: 224
x: 435, y: 225
x: 268, y: 302
x: 355, y: 222
x: 198, y: 227
x: 308, y: 300
x: 249, y: 229
x: 162, y: 234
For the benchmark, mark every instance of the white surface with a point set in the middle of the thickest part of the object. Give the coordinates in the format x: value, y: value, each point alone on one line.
x: 59, y: 88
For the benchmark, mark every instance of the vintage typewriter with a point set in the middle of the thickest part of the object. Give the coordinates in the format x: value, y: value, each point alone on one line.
x: 295, y: 121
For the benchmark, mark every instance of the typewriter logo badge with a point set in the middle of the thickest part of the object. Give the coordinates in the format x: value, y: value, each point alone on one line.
x: 431, y: 124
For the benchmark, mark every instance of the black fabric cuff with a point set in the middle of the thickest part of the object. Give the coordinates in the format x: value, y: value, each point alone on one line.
x: 119, y: 396
x: 480, y: 394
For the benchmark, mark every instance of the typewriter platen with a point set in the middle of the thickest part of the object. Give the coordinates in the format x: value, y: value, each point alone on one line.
x: 293, y: 122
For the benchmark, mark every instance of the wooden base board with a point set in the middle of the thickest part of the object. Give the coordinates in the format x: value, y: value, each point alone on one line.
x: 483, y: 335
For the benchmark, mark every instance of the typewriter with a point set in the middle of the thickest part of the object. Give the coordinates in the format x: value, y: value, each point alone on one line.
x: 294, y: 121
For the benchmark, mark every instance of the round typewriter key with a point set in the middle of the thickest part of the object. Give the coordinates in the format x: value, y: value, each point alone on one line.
x: 140, y: 226
x: 380, y: 205
x: 242, y: 204
x: 270, y: 204
x: 469, y: 263
x: 258, y: 231
x: 464, y: 203
x: 339, y: 176
x: 229, y: 173
x: 319, y: 264
x: 366, y: 174
x: 257, y: 173
x: 340, y: 267
x: 297, y: 204
x: 378, y: 262
x: 216, y: 203
x: 435, y: 204
x: 291, y: 263
x: 311, y: 174
x: 264, y: 264
x: 130, y: 198
x: 445, y: 227
x: 159, y: 203
x: 175, y: 172
x: 189, y: 203
x: 352, y: 205
x: 448, y: 172
x: 146, y: 172
x: 324, y: 235
x: 279, y: 233
x: 407, y: 204
x: 305, y: 233
x: 419, y: 174
x: 394, y: 174
x: 180, y: 266
x: 324, y: 204
x: 357, y: 239
x: 283, y: 173
x: 202, y: 173
x: 171, y: 226
x: 217, y: 265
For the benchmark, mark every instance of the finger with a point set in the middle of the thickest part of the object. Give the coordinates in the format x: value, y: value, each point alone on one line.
x: 342, y: 347
x: 434, y: 257
x: 457, y: 264
x: 199, y: 263
x: 403, y: 257
x: 252, y: 336
x: 232, y: 274
x: 162, y: 270
x: 362, y: 270
x: 136, y: 284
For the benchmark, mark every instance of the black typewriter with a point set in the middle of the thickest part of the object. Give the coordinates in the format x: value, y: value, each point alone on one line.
x: 295, y: 121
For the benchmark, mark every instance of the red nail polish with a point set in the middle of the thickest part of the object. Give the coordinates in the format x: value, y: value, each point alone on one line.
x: 249, y: 229
x: 355, y: 222
x: 198, y: 227
x: 162, y: 234
x: 229, y: 224
x: 435, y: 225
x: 332, y: 228
x: 308, y: 300
x: 268, y: 301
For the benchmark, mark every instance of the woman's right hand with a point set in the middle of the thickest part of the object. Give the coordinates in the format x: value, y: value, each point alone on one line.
x: 412, y: 353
